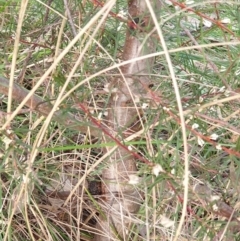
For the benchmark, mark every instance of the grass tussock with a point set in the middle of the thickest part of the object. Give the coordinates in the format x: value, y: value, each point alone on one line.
x: 50, y: 172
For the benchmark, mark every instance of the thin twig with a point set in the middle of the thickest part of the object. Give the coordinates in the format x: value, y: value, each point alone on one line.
x: 74, y: 32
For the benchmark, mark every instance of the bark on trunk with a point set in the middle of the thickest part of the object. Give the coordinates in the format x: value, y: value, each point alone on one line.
x: 121, y: 199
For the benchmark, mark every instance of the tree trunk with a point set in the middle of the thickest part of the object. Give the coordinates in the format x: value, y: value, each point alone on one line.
x: 121, y: 199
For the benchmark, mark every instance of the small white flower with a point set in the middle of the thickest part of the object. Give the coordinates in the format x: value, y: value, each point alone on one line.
x: 188, y: 2
x: 105, y: 113
x: 157, y: 169
x: 6, y: 140
x: 177, y: 8
x: 122, y: 14
x: 136, y: 99
x: 219, y: 147
x: 26, y: 179
x: 214, y: 198
x: 145, y: 105
x: 130, y: 148
x: 226, y: 20
x: 165, y: 108
x: 213, y: 90
x: 100, y: 116
x: 195, y: 126
x: 166, y: 222
x: 173, y: 171
x: 200, y: 141
x: 222, y: 89
x: 106, y: 87
x: 227, y: 93
x: 214, y: 136
x: 207, y: 23
x: 168, y: 2
x: 237, y: 72
x: 133, y: 179
x: 119, y: 27
x: 9, y: 131
x: 215, y: 207
x: 200, y: 100
x: 222, y: 68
